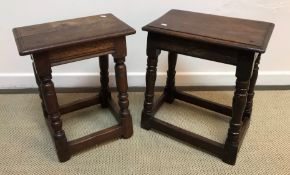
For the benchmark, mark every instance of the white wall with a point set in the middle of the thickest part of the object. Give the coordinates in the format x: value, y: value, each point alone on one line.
x: 16, y: 71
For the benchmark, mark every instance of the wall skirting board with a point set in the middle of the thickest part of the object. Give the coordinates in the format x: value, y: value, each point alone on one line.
x: 137, y: 79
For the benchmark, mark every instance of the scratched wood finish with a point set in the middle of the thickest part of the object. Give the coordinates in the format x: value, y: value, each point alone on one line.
x: 41, y: 37
x: 62, y: 42
x: 233, y: 41
x: 219, y: 30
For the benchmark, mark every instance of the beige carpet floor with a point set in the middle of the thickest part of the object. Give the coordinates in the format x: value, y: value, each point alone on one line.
x: 26, y: 147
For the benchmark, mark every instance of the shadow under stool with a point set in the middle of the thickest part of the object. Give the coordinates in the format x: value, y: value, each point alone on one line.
x: 61, y: 42
x: 238, y: 42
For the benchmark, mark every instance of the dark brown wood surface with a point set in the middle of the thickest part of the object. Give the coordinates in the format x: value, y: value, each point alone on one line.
x: 41, y: 37
x: 62, y: 42
x: 225, y: 40
x: 233, y: 32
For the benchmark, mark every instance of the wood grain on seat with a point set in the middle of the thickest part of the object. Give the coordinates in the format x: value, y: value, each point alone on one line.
x: 41, y: 37
x: 233, y: 32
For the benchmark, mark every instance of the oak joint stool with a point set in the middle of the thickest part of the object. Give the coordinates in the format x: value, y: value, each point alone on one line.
x: 233, y: 41
x: 62, y: 42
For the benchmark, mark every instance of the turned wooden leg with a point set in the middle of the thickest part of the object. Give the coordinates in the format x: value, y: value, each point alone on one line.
x: 147, y: 113
x: 122, y: 87
x: 43, y: 69
x: 169, y: 90
x: 243, y: 74
x: 105, y: 93
x: 251, y: 93
x: 39, y: 91
x: 239, y: 103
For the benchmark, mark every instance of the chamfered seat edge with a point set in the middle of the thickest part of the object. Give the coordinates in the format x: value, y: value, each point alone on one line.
x: 152, y: 28
x: 22, y: 50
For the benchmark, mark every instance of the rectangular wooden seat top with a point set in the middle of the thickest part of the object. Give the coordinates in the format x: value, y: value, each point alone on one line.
x: 227, y: 31
x: 42, y: 37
